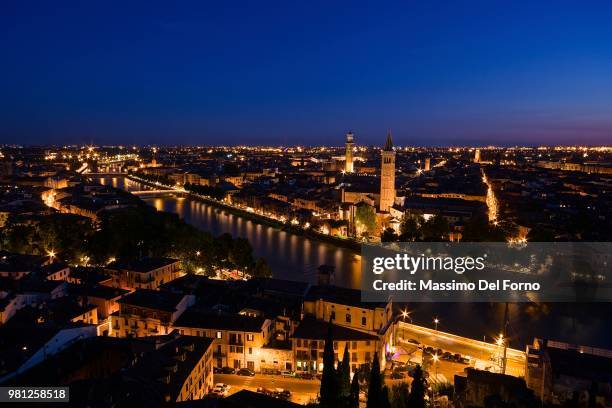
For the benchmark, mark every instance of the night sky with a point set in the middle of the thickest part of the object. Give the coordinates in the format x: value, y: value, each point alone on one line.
x: 305, y: 72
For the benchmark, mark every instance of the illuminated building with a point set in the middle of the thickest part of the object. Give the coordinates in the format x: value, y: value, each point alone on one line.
x: 143, y: 273
x: 148, y: 313
x: 387, y: 176
x: 348, y: 167
x: 238, y: 339
x: 308, y: 343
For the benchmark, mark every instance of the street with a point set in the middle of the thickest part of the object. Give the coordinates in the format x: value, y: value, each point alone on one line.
x: 302, y: 390
x: 479, y: 351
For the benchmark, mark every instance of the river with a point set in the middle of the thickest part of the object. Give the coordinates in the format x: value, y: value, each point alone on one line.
x: 296, y: 257
x: 292, y: 257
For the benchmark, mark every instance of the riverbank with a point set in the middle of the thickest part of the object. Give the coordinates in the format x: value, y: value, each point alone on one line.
x: 346, y: 243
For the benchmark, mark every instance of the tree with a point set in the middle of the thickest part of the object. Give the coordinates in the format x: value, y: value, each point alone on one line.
x: 388, y: 235
x: 354, y: 393
x: 262, y: 269
x: 241, y: 253
x: 365, y: 217
x: 417, y: 391
x: 384, y: 401
x: 409, y: 228
x: 435, y: 229
x: 329, y: 380
x: 376, y: 398
x: 399, y: 395
x: 19, y: 238
x: 345, y: 373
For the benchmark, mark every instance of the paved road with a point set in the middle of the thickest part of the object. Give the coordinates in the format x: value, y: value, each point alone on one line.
x: 477, y: 350
x: 301, y: 390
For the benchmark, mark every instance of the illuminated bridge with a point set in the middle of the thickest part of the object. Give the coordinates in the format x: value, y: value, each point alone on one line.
x: 160, y: 192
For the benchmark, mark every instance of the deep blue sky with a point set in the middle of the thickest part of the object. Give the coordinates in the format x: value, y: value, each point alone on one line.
x: 303, y: 72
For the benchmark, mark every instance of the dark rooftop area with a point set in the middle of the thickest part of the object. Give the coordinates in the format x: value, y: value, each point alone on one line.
x: 337, y: 294
x: 153, y: 299
x: 221, y: 321
x: 311, y: 328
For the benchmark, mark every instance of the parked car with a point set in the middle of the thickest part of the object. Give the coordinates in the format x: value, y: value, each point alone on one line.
x: 281, y: 393
x: 397, y: 375
x: 287, y: 373
x: 227, y: 370
x: 221, y: 390
x: 246, y: 371
x: 306, y: 376
x: 447, y: 356
x: 264, y: 390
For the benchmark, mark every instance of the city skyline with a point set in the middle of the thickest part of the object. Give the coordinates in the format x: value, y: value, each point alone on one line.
x: 305, y: 74
x: 306, y: 204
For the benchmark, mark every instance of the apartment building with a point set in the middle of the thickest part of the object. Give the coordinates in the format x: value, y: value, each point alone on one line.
x: 148, y: 313
x: 181, y: 369
x: 143, y: 273
x: 343, y: 307
x: 308, y: 343
x: 237, y: 339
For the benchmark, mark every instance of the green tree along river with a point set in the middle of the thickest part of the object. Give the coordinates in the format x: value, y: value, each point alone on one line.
x: 296, y: 257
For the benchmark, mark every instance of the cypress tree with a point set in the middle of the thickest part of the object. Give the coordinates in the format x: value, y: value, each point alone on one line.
x: 354, y: 393
x: 416, y: 399
x: 384, y: 398
x: 375, y: 387
x: 345, y: 372
x: 329, y: 381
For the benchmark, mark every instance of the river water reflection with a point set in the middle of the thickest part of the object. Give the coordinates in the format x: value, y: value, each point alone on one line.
x: 290, y: 256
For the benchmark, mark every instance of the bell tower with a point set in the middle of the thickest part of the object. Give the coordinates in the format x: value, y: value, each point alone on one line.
x: 348, y: 166
x: 387, y: 176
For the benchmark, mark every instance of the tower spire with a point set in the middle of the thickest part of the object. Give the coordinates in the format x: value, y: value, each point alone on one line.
x: 389, y: 142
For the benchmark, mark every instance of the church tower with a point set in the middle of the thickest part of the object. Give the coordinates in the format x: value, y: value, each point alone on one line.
x: 387, y: 176
x: 348, y: 166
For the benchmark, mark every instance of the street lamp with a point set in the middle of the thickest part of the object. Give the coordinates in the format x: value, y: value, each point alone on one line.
x: 51, y: 254
x: 436, y: 321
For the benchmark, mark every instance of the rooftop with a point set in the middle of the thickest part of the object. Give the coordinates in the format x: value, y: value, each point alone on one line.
x: 220, y: 321
x: 339, y: 295
x: 152, y: 299
x: 313, y: 329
